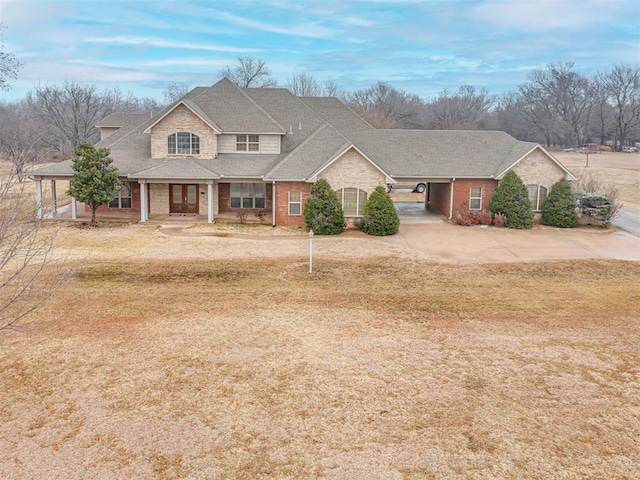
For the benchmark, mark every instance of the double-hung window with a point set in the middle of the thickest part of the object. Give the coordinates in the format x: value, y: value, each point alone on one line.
x: 537, y: 195
x: 247, y: 143
x: 295, y: 202
x: 248, y: 195
x: 183, y: 143
x: 475, y: 198
x: 123, y: 197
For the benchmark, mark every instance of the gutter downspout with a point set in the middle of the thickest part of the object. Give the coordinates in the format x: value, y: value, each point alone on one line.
x: 273, y: 203
x: 451, y: 199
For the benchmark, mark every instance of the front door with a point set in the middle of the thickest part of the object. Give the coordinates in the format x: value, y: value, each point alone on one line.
x: 183, y: 198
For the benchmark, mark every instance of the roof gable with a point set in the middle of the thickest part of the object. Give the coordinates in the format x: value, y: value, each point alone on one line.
x: 528, y: 152
x: 339, y: 155
x: 189, y: 104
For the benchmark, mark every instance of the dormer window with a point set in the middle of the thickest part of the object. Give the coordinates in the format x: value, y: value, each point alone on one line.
x: 183, y: 143
x: 247, y: 143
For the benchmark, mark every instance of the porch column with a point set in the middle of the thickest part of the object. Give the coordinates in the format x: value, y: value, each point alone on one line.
x: 210, y: 201
x: 74, y: 208
x: 143, y: 202
x: 54, y: 203
x: 39, y: 197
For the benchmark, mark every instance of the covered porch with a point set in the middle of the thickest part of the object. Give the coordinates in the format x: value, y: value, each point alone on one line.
x: 132, y: 206
x: 65, y: 213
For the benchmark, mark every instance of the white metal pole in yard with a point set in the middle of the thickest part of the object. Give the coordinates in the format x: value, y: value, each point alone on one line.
x: 310, y: 251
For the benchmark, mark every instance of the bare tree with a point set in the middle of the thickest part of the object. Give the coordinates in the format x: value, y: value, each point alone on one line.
x: 304, y: 85
x: 68, y: 113
x: 566, y: 96
x: 175, y: 91
x: 19, y: 141
x: 466, y: 109
x: 29, y: 270
x: 9, y: 66
x: 385, y: 107
x: 249, y: 72
x: 621, y: 87
x: 332, y: 89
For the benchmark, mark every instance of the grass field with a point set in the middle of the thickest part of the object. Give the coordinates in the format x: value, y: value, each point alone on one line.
x: 217, y: 356
x: 252, y: 368
x: 611, y: 168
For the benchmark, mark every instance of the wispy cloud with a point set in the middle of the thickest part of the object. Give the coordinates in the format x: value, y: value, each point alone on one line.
x: 160, y: 43
x: 420, y: 45
x: 304, y: 29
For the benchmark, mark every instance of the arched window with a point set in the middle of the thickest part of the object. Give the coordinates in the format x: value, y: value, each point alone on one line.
x: 537, y: 195
x: 183, y: 143
x: 353, y: 200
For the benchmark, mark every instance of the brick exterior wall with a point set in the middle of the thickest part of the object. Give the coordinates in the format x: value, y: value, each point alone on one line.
x: 440, y: 194
x: 282, y: 203
x: 224, y: 199
x: 352, y: 170
x: 183, y: 120
x: 462, y: 190
x: 538, y: 169
x: 135, y: 202
x: 158, y: 198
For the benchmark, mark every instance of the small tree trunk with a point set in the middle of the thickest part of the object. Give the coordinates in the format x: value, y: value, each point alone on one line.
x: 93, y: 215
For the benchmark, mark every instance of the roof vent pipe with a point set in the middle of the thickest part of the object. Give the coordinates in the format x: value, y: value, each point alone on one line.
x: 290, y: 129
x: 300, y: 126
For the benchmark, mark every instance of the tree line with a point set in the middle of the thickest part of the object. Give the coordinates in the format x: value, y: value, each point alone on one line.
x: 556, y: 106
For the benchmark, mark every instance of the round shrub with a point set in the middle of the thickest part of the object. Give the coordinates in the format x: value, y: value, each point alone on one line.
x: 559, y: 208
x: 511, y: 198
x: 380, y: 216
x: 323, y: 212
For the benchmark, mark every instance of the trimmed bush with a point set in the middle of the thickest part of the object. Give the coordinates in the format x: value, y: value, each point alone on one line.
x: 380, y: 216
x: 499, y: 220
x: 595, y: 208
x: 559, y: 208
x: 511, y: 198
x: 473, y: 217
x: 323, y: 212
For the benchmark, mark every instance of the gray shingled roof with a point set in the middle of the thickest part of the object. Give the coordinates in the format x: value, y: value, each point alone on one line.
x: 234, y: 111
x: 178, y: 168
x: 438, y: 153
x: 318, y: 149
x: 336, y: 113
x: 289, y: 111
x: 315, y: 131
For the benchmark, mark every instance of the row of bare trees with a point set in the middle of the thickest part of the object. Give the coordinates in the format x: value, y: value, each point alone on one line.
x: 555, y: 106
x: 559, y: 106
x: 52, y: 120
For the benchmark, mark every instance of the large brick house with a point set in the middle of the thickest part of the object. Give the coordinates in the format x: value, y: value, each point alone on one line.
x: 224, y: 149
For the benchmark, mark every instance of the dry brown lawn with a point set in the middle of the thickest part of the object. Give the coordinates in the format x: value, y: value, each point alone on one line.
x: 164, y: 361
x: 614, y: 168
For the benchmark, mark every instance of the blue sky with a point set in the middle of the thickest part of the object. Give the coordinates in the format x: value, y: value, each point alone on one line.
x: 419, y: 46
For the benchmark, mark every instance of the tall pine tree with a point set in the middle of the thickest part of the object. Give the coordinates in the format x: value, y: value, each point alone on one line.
x: 323, y: 212
x: 559, y: 208
x: 380, y: 216
x: 511, y: 198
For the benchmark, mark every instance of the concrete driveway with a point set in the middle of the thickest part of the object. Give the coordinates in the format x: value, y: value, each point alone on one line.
x: 628, y: 220
x: 446, y: 242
